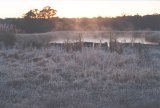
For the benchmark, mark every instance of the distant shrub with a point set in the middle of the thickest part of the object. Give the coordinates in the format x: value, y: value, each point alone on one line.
x: 7, y: 34
x: 142, y: 53
x: 7, y: 39
x: 115, y: 46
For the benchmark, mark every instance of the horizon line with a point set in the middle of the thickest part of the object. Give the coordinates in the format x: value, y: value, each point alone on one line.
x: 123, y: 14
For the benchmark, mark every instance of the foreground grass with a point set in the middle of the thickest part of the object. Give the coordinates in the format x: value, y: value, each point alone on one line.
x: 53, y: 78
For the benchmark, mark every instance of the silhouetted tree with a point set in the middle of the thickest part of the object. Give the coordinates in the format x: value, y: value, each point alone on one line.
x: 46, y: 13
x: 30, y: 15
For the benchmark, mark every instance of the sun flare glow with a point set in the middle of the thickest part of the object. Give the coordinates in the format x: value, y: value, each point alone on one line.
x: 81, y: 8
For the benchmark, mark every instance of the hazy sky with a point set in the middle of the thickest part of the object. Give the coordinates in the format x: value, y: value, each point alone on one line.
x: 81, y: 8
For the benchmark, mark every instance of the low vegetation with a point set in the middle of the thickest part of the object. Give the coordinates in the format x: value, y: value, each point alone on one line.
x: 91, y: 78
x: 7, y: 39
x: 7, y: 35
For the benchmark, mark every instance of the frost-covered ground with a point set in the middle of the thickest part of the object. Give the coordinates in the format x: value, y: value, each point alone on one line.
x: 53, y: 78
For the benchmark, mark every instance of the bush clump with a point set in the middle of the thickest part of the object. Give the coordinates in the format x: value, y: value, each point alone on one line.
x: 7, y: 39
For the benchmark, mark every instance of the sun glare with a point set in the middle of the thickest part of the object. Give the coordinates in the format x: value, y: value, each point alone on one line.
x: 105, y: 8
x: 88, y: 8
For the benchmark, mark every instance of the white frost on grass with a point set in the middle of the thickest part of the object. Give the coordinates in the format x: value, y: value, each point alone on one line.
x: 93, y: 78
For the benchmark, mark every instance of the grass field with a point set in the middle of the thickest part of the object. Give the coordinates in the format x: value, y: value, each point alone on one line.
x: 92, y: 78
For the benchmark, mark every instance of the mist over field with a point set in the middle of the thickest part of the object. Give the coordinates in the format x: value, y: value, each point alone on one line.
x: 144, y: 37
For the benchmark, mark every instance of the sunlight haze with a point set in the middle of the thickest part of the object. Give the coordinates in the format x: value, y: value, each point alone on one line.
x: 80, y: 8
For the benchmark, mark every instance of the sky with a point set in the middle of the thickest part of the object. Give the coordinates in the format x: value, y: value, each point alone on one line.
x: 81, y: 8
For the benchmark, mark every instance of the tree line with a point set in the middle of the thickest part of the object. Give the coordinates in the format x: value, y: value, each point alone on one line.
x: 37, y: 21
